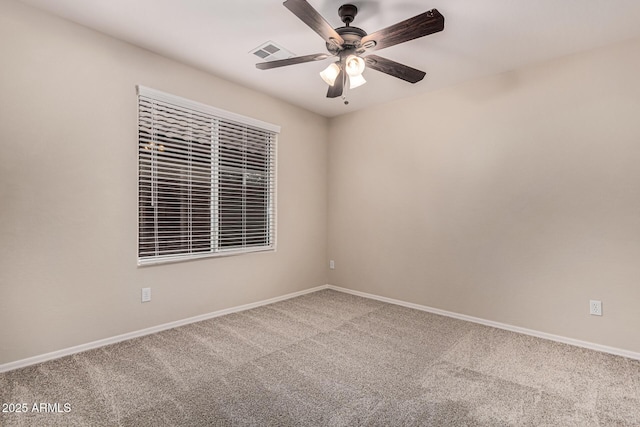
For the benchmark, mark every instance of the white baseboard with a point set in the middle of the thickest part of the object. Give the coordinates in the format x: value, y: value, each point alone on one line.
x: 152, y: 330
x: 525, y: 331
x: 135, y: 334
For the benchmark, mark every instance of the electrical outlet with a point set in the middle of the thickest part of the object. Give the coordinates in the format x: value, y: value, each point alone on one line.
x: 595, y: 308
x: 146, y: 294
x: 332, y: 264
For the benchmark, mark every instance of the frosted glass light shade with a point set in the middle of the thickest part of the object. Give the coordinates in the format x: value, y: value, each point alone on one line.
x: 330, y: 73
x: 354, y: 65
x: 355, y: 81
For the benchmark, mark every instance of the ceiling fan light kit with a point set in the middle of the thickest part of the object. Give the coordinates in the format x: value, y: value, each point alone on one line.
x: 352, y: 46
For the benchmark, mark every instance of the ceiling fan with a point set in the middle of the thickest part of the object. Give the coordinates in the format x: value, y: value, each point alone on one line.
x: 348, y: 44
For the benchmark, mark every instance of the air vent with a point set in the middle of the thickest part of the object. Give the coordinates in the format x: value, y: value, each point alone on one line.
x: 271, y: 51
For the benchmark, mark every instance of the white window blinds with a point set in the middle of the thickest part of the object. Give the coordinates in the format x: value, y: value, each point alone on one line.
x: 206, y: 180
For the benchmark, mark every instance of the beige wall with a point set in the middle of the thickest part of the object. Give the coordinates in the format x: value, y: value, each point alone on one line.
x: 68, y: 191
x: 515, y: 198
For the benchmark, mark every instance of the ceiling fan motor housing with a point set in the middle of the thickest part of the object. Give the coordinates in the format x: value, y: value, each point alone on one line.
x: 351, y: 37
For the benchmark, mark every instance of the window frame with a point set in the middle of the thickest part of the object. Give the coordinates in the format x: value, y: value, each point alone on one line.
x: 225, y: 118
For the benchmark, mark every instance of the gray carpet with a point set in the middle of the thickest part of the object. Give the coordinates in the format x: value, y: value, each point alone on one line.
x: 333, y: 359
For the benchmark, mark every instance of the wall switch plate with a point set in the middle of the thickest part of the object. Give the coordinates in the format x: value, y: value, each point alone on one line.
x: 146, y: 294
x: 332, y: 264
x: 595, y: 308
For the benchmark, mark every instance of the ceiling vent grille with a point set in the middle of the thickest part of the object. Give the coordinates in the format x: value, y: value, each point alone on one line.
x: 271, y: 51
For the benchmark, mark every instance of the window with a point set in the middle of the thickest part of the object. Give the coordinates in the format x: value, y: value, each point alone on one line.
x: 206, y: 180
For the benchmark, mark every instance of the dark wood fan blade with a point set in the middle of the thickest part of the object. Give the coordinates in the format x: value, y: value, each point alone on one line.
x: 394, y: 69
x: 419, y: 26
x: 336, y: 90
x: 314, y: 20
x: 291, y: 61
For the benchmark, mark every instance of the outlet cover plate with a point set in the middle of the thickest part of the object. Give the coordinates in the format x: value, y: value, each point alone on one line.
x: 146, y: 294
x: 595, y: 307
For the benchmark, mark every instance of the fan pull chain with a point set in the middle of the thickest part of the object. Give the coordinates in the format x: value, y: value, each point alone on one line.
x: 345, y: 89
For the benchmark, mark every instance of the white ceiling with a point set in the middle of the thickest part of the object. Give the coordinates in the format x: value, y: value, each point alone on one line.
x: 480, y: 38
